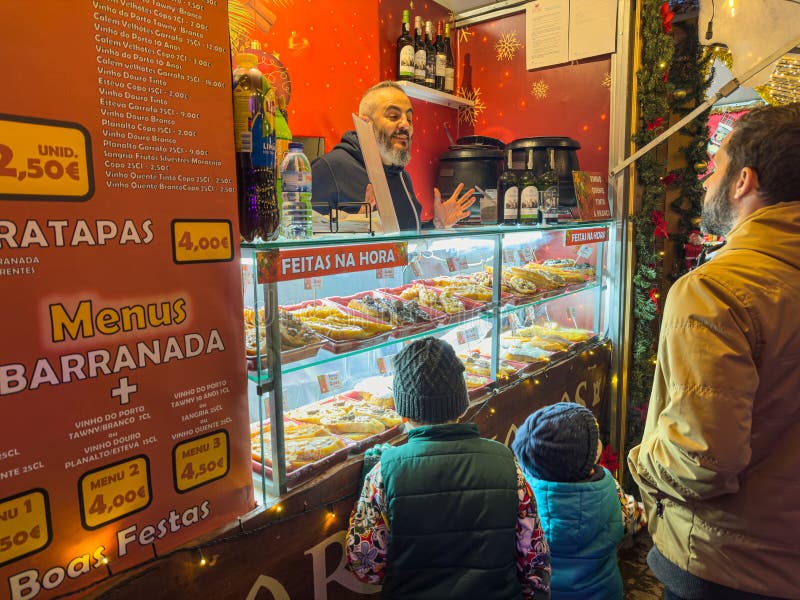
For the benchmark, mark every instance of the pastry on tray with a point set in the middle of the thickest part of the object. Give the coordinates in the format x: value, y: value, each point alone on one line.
x: 394, y: 311
x: 376, y: 390
x: 466, y: 287
x: 474, y: 382
x: 476, y: 363
x: 439, y: 300
x: 352, y: 422
x: 553, y: 330
x: 385, y: 415
x: 337, y: 325
x: 525, y: 353
x: 300, y: 451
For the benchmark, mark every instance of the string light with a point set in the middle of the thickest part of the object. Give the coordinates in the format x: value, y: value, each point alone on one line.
x: 278, y: 508
x: 492, y: 410
x: 331, y: 512
x: 203, y: 561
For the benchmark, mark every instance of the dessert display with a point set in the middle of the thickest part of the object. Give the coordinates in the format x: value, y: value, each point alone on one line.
x: 394, y: 311
x: 375, y: 390
x: 571, y: 265
x: 476, y: 363
x: 464, y: 286
x: 304, y: 444
x: 553, y: 330
x: 444, y: 301
x: 295, y: 337
x: 348, y: 417
x: 335, y: 324
x: 524, y: 352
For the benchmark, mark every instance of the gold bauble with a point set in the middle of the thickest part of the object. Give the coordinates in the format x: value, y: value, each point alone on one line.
x: 679, y: 94
x: 696, y: 221
x: 701, y: 166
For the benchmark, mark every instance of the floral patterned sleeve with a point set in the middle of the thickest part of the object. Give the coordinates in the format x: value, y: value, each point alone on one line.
x: 533, y: 554
x: 634, y: 518
x: 368, y: 534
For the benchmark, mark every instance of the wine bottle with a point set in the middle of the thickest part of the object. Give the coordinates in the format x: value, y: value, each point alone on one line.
x: 548, y: 182
x: 508, y: 195
x: 420, y: 51
x: 441, y: 57
x: 450, y: 67
x: 430, y: 56
x: 405, y: 50
x: 528, y: 194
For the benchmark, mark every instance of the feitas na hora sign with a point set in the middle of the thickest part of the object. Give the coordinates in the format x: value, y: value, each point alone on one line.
x: 284, y: 265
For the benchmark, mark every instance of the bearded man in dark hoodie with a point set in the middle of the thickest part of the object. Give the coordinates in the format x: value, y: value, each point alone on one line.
x: 340, y: 175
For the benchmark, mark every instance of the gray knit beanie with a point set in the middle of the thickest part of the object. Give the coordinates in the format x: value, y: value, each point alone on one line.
x: 558, y: 442
x: 429, y: 384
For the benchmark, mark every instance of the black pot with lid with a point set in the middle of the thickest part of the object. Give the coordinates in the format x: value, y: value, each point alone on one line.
x: 557, y: 153
x: 476, y: 161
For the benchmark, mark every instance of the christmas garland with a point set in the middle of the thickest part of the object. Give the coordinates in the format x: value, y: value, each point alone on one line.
x: 649, y: 228
x: 672, y: 79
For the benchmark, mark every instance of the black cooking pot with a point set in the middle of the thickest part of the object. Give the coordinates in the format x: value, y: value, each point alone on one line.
x: 558, y: 153
x: 474, y: 165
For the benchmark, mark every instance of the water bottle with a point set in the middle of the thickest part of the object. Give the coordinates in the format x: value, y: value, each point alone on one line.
x: 296, y: 194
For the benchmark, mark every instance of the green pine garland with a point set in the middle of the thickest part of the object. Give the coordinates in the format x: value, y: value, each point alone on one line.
x: 685, y: 65
x: 653, y: 94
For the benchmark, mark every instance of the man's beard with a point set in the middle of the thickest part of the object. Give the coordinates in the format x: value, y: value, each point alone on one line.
x: 390, y: 156
x: 718, y: 216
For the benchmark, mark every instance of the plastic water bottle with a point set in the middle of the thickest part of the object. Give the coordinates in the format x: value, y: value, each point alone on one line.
x: 296, y: 194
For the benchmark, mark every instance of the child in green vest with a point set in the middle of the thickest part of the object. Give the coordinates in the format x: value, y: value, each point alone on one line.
x: 448, y: 514
x: 583, y: 509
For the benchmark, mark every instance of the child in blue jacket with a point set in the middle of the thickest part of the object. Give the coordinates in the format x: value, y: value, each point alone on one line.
x: 582, y: 508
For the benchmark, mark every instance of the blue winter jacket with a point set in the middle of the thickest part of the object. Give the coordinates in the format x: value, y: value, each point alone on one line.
x: 582, y: 522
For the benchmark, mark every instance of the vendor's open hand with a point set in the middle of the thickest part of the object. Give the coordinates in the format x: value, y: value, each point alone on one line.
x: 448, y: 213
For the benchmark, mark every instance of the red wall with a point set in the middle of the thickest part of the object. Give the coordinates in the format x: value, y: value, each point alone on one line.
x: 334, y: 52
x: 577, y: 102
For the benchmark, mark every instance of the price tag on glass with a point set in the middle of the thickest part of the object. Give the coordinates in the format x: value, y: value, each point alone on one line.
x: 585, y: 251
x: 467, y: 335
x: 312, y: 283
x: 385, y: 273
x: 457, y: 263
x: 329, y: 383
x: 415, y: 269
x: 508, y: 256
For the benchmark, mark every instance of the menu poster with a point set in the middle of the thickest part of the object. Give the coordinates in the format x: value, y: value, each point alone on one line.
x: 122, y: 379
x: 546, y: 33
x: 590, y: 191
x: 559, y: 31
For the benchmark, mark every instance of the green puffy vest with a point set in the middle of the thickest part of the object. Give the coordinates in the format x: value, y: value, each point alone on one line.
x: 452, y: 502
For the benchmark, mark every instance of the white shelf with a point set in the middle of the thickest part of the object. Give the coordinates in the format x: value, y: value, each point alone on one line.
x: 420, y: 92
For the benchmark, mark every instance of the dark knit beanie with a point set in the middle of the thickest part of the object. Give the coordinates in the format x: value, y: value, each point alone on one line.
x: 558, y: 442
x: 429, y: 384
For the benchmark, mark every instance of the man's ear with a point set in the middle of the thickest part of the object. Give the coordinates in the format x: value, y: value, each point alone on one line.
x: 746, y: 183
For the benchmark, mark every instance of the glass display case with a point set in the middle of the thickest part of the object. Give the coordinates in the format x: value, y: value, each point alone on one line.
x: 325, y: 317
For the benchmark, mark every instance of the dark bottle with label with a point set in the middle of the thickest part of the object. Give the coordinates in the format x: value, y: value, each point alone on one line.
x: 430, y: 56
x: 254, y: 138
x: 528, y: 194
x: 405, y: 50
x: 420, y: 51
x: 548, y: 183
x: 508, y: 195
x: 441, y: 57
x: 450, y: 66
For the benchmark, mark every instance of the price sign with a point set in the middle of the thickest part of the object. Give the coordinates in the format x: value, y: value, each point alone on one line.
x: 24, y: 525
x: 585, y: 251
x: 312, y: 283
x: 329, y: 382
x: 523, y: 256
x: 114, y: 491
x: 382, y: 369
x: 510, y: 321
x: 508, y: 256
x: 44, y: 160
x: 415, y: 269
x: 386, y: 273
x: 467, y: 335
x: 200, y: 460
x: 202, y: 241
x: 458, y: 263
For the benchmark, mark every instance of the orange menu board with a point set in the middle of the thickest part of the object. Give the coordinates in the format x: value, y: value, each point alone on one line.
x: 122, y: 385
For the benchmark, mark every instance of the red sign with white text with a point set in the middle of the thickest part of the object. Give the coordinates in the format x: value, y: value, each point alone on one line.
x: 125, y: 419
x: 591, y: 193
x: 300, y: 263
x: 577, y: 237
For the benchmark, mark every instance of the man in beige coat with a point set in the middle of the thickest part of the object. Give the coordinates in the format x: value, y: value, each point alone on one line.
x: 719, y: 462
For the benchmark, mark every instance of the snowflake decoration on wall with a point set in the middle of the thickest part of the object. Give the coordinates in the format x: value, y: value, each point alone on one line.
x: 464, y: 34
x: 469, y: 114
x: 606, y: 83
x: 507, y: 46
x: 539, y: 89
